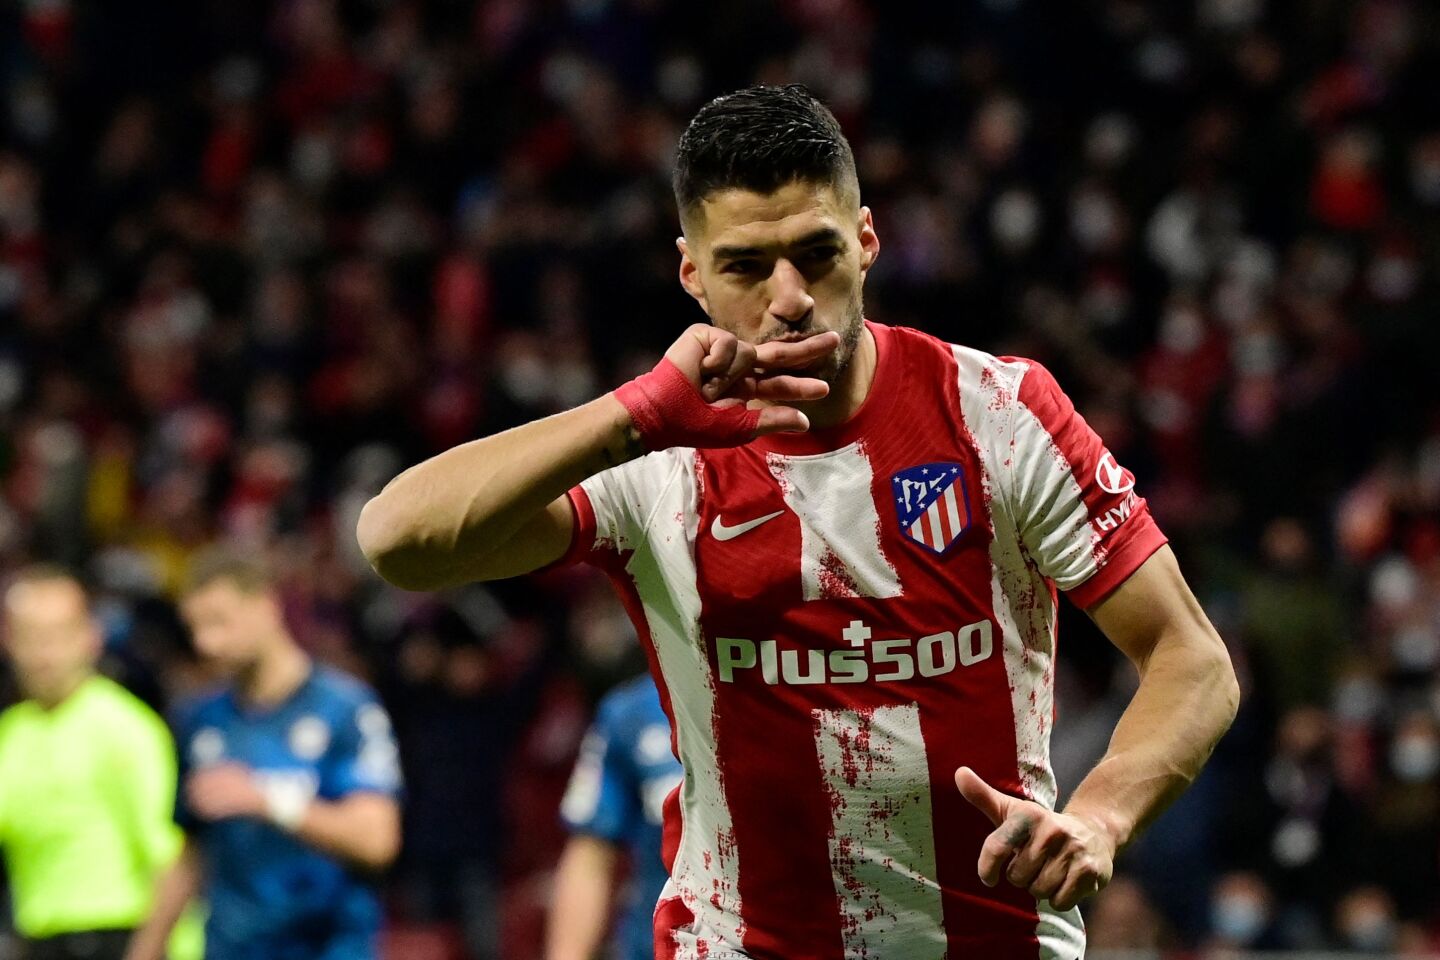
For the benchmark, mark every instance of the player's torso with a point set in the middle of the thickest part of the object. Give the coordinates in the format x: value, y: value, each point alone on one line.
x: 266, y: 882
x: 59, y: 795
x: 855, y: 658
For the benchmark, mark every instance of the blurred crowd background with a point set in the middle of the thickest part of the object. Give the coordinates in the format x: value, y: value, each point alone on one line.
x: 255, y: 258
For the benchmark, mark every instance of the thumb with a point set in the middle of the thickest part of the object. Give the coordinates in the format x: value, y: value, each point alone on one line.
x: 985, y: 798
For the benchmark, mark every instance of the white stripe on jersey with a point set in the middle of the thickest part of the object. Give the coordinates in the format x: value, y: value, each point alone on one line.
x: 952, y: 510
x: 840, y: 551
x: 932, y: 518
x: 1020, y: 598
x: 706, y: 873
x: 881, y: 820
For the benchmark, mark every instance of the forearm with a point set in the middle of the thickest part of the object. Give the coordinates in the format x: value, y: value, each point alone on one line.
x: 1185, y: 702
x: 473, y: 498
x: 177, y: 887
x: 580, y: 910
x: 363, y: 829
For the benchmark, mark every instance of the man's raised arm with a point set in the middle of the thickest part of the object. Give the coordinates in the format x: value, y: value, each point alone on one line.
x: 496, y: 507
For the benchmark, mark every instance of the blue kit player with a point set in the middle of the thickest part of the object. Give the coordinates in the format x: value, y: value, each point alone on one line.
x: 613, y: 805
x: 288, y: 780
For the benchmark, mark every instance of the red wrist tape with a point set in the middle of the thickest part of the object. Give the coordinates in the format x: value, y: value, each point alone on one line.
x: 668, y: 411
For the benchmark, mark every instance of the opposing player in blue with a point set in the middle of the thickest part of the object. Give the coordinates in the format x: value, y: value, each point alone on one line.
x: 613, y: 805
x: 289, y: 780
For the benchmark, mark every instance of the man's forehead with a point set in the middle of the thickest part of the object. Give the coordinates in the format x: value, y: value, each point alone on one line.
x: 742, y: 217
x: 56, y: 597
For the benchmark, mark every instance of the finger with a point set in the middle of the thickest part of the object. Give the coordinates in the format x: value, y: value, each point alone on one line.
x: 796, y: 353
x: 1035, y: 856
x: 1050, y: 879
x: 740, y: 363
x: 781, y: 419
x: 985, y: 798
x: 718, y: 367
x: 1081, y: 881
x: 1001, y: 846
x: 788, y: 389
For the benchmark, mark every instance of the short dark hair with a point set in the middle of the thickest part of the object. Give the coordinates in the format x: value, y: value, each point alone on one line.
x: 761, y: 138
x: 246, y: 570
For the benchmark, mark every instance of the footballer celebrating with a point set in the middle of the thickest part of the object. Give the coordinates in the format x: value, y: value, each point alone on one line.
x: 842, y: 544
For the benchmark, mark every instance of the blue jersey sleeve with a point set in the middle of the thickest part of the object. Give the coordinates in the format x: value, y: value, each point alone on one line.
x: 601, y: 799
x: 363, y: 755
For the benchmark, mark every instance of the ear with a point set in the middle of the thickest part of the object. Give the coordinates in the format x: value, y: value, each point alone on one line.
x: 690, y: 275
x: 869, y: 241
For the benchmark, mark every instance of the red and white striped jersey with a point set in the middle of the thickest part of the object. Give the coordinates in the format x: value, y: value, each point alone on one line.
x: 838, y: 620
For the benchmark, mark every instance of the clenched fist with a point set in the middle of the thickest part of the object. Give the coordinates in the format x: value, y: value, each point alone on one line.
x: 698, y: 395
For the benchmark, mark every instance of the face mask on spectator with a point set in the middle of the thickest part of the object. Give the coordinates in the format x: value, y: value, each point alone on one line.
x: 1415, y: 757
x: 1238, y: 918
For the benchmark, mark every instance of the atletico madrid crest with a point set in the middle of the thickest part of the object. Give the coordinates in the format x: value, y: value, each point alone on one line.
x: 931, y: 504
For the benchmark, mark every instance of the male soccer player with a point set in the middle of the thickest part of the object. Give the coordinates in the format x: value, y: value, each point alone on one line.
x: 614, y: 802
x: 87, y: 781
x: 289, y: 781
x: 843, y: 550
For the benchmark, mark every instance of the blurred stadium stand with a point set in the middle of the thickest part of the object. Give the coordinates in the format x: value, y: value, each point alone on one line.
x: 256, y: 257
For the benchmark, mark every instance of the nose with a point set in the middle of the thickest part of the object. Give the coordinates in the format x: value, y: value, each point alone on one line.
x: 790, y: 300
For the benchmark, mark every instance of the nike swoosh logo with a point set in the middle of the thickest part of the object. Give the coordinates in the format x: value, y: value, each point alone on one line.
x: 719, y: 531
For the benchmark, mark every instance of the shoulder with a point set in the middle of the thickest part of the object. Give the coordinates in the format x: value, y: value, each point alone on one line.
x: 341, y: 687
x: 652, y: 472
x: 620, y: 502
x: 340, y: 693
x: 207, y: 707
x: 15, y: 717
x: 123, y: 710
x: 993, y: 380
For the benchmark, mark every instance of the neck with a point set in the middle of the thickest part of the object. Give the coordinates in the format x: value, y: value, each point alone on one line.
x: 56, y: 697
x: 277, y: 673
x: 847, y: 395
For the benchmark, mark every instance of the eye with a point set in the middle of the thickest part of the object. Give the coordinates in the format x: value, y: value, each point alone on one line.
x: 741, y: 266
x: 821, y: 254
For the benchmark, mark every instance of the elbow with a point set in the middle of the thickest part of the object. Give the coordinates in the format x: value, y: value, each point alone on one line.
x: 1228, y: 686
x: 383, y: 853
x: 381, y: 849
x: 389, y: 548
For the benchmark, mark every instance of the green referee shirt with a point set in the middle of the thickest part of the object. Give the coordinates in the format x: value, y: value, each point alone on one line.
x: 87, y: 793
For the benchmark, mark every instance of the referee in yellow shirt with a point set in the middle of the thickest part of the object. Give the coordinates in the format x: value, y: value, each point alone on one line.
x: 87, y: 781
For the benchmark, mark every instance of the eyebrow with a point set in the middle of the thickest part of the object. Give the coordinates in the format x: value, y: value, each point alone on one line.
x: 813, y: 238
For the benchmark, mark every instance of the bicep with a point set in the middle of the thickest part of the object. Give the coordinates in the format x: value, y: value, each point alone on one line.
x: 1153, y: 605
x: 543, y: 539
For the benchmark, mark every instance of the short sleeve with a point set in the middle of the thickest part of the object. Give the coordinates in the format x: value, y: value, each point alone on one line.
x: 601, y: 799
x: 614, y: 507
x: 362, y: 755
x: 143, y: 786
x: 1076, y: 508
